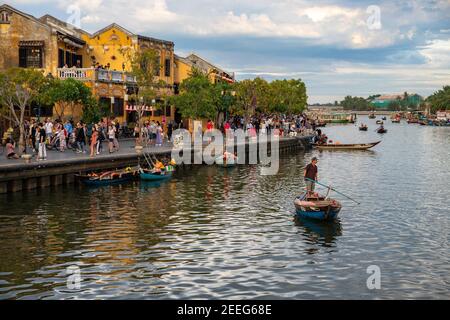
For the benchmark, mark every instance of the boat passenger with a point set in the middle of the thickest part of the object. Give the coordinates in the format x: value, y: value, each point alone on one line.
x: 310, y: 172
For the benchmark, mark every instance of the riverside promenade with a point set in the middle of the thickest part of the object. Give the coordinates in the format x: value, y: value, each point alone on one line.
x: 60, y: 168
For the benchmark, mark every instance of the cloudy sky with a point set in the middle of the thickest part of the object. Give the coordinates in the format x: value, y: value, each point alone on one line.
x: 338, y: 47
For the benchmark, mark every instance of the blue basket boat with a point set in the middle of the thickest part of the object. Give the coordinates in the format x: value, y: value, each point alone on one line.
x: 155, y: 176
x: 106, y: 178
x: 317, y: 208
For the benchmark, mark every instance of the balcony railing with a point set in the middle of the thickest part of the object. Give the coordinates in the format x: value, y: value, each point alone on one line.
x: 91, y: 74
x: 86, y: 74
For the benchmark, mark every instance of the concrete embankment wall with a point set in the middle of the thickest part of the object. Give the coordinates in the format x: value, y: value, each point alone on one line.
x: 28, y: 176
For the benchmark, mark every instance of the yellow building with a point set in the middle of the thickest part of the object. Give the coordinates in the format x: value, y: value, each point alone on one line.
x: 184, y: 66
x: 99, y: 60
x: 183, y: 69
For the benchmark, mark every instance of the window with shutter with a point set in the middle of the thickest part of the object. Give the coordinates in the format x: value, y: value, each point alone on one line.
x: 167, y: 68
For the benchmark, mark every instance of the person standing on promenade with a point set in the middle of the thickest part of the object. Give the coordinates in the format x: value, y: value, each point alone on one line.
x: 94, y: 140
x: 159, y: 135
x: 69, y: 128
x: 80, y: 138
x: 116, y: 136
x: 42, y: 155
x: 311, y: 172
x: 101, y: 137
x: 49, y: 129
x: 33, y: 129
x: 111, y: 136
x: 62, y: 139
x: 169, y: 130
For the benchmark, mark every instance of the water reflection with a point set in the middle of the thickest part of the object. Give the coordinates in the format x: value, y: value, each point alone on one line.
x: 211, y: 232
x: 318, y: 232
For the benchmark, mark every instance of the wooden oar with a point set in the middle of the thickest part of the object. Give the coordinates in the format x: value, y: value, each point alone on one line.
x: 332, y: 189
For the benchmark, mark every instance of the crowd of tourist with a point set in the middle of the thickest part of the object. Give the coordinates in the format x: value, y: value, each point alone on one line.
x: 282, y: 125
x: 95, y: 138
x: 69, y: 135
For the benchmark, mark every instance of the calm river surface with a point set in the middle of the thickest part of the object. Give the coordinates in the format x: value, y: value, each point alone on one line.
x: 230, y: 233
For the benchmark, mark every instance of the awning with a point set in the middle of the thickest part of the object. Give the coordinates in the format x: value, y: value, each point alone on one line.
x: 73, y: 44
x: 31, y: 43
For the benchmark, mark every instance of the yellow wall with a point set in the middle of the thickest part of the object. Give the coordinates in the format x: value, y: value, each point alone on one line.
x: 182, y: 70
x: 106, y: 47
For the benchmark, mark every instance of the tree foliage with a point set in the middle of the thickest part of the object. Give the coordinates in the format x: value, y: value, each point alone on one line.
x: 440, y: 100
x: 68, y: 94
x: 94, y: 111
x: 19, y: 88
x: 145, y: 66
x: 198, y: 97
x: 356, y: 103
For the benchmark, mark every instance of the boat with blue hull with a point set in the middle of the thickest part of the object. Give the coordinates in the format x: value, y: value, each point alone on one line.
x: 106, y: 178
x: 155, y: 176
x: 317, y: 207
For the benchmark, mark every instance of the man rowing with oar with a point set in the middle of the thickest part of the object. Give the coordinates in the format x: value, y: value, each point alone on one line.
x: 310, y: 173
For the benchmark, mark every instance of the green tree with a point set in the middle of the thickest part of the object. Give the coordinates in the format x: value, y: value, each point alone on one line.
x: 356, y: 103
x: 198, y: 97
x: 247, y: 96
x: 67, y: 95
x: 94, y: 111
x: 19, y: 88
x: 440, y: 100
x: 288, y: 96
x: 145, y: 66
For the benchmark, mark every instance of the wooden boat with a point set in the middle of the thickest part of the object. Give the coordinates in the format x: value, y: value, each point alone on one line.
x: 372, y: 116
x: 148, y: 175
x: 336, y: 146
x: 317, y: 207
x: 381, y: 130
x: 363, y: 128
x: 379, y: 122
x: 320, y: 124
x: 106, y: 178
x: 227, y: 161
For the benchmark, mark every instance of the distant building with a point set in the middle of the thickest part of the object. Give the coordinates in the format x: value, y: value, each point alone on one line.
x: 383, y: 101
x: 185, y: 65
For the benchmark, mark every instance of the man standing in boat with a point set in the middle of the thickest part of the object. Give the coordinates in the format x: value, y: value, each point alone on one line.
x: 310, y: 173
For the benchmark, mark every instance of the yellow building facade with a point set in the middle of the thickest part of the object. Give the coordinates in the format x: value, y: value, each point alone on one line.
x: 99, y: 60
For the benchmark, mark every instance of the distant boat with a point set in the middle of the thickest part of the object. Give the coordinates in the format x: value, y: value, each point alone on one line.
x: 372, y: 115
x: 379, y: 122
x: 363, y: 127
x: 384, y: 118
x: 396, y: 120
x: 338, y: 146
x: 320, y: 124
x: 317, y: 208
x: 381, y: 130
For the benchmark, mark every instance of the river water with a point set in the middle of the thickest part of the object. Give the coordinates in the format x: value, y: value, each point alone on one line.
x: 231, y: 233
